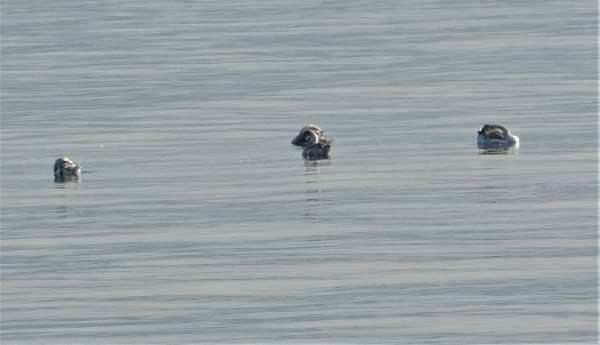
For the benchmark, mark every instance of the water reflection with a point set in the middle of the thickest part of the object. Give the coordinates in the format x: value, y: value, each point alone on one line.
x: 66, y: 191
x: 62, y: 211
x: 498, y: 151
x: 67, y: 180
x: 313, y: 201
x: 312, y: 166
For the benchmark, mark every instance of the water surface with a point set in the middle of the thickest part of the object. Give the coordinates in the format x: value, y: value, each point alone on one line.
x: 196, y: 221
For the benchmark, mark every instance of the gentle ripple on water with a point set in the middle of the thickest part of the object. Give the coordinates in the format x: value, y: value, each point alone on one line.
x: 197, y: 222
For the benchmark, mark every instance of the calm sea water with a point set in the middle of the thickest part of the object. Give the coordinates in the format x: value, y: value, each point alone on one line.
x: 196, y: 221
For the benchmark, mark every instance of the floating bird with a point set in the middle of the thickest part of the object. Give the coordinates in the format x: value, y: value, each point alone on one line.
x: 494, y: 137
x: 317, y: 147
x: 66, y: 169
x: 305, y: 136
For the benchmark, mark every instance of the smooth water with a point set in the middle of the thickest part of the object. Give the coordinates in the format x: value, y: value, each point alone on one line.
x: 196, y: 221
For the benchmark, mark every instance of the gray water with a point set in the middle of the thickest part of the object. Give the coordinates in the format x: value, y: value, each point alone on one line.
x: 196, y: 221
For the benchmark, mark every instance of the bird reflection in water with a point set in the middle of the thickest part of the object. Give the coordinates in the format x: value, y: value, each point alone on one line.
x: 65, y: 192
x: 313, y: 201
x: 498, y: 151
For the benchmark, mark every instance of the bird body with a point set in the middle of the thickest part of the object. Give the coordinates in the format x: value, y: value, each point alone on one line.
x: 492, y: 136
x: 66, y: 169
x: 315, y: 145
x: 317, y: 151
